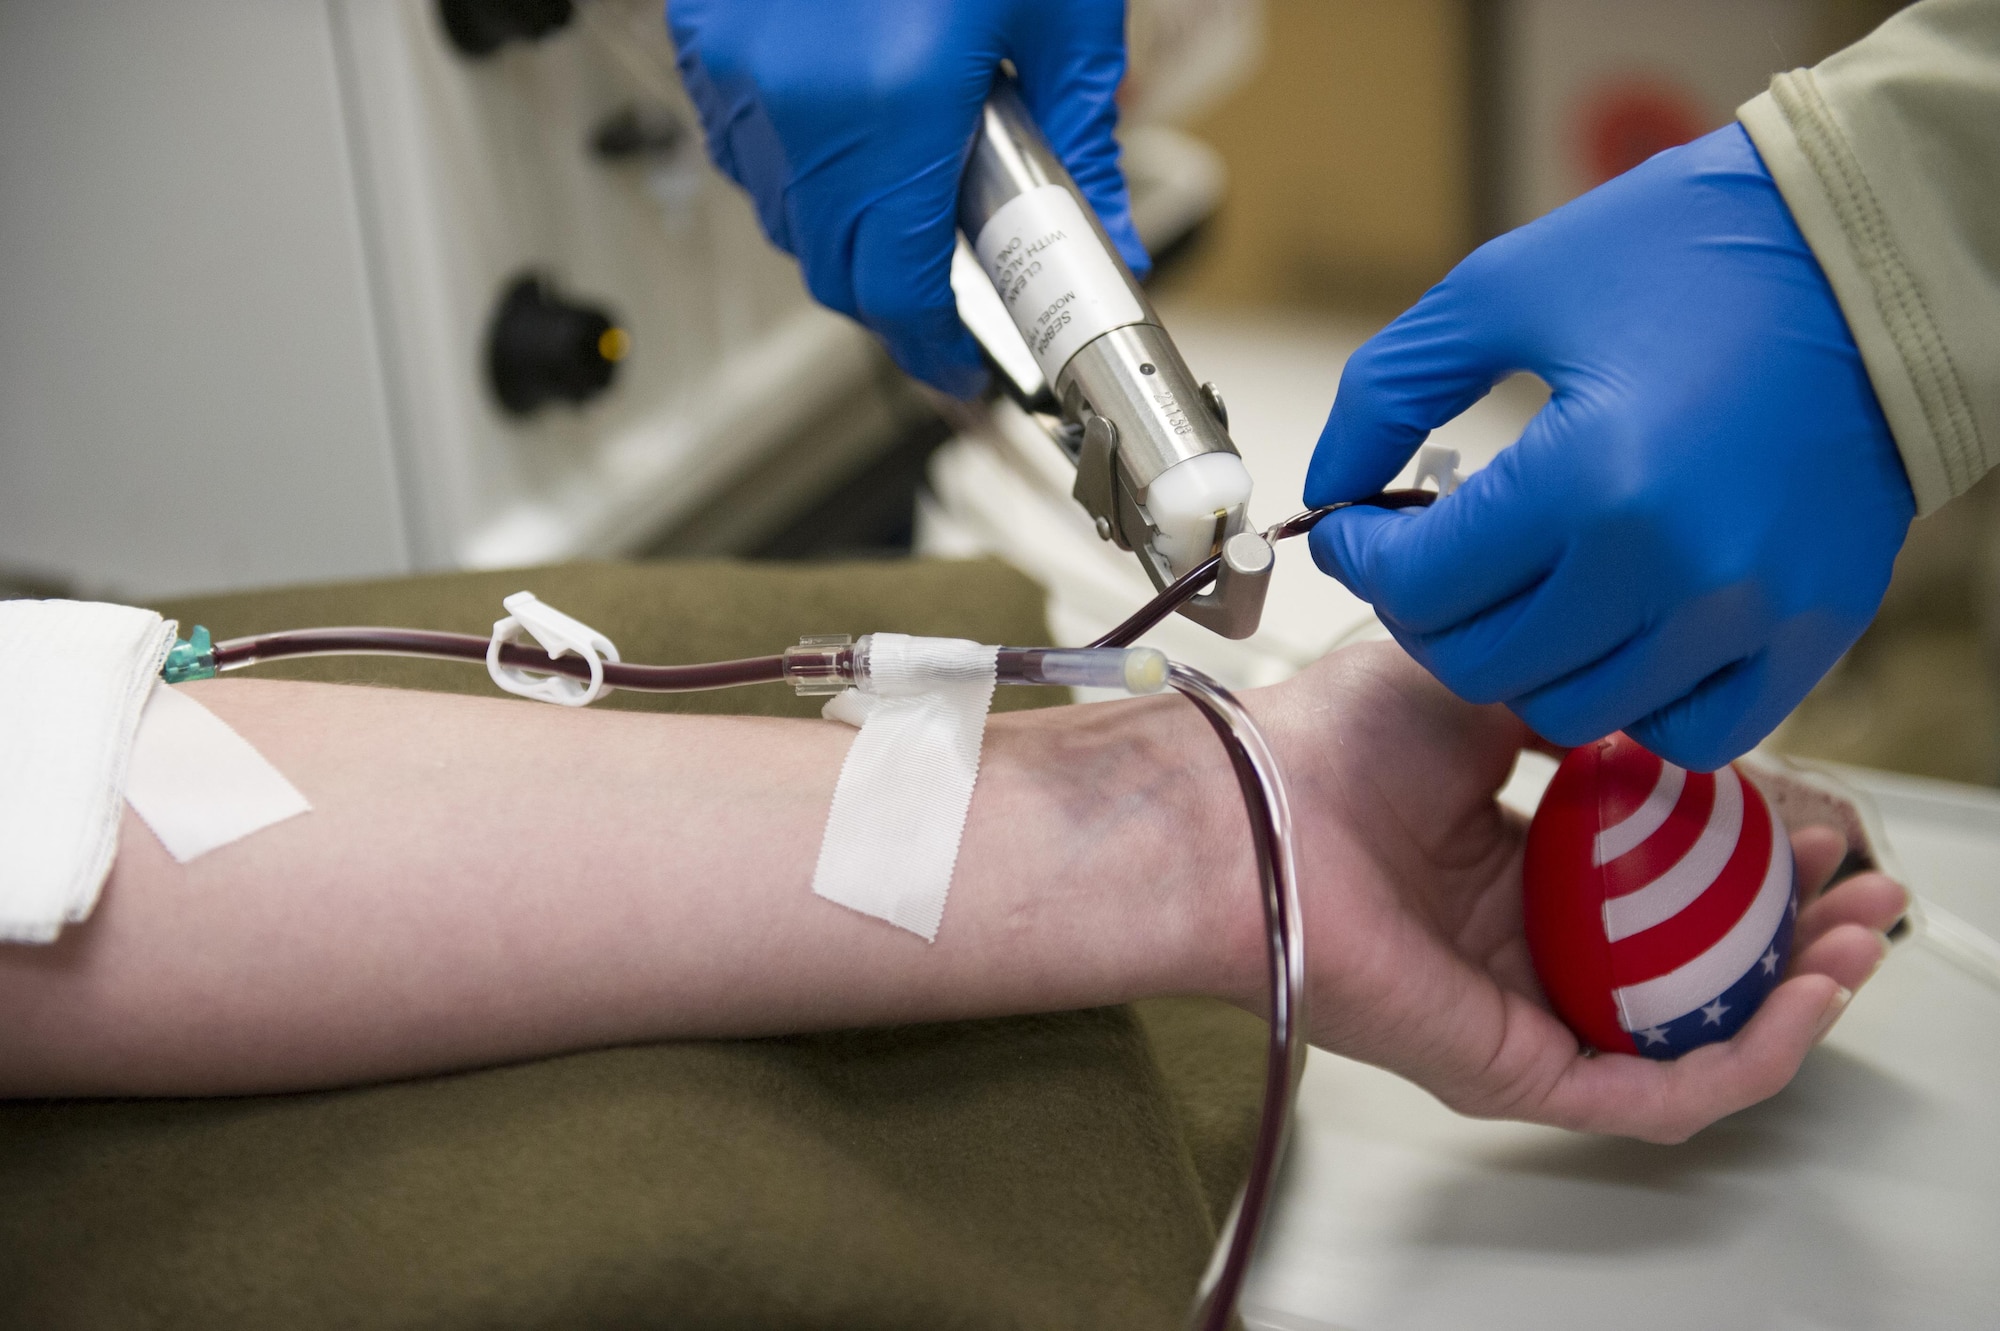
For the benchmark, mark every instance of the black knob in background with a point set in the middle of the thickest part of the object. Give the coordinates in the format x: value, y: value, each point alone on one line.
x: 481, y: 27
x: 639, y: 130
x: 544, y: 348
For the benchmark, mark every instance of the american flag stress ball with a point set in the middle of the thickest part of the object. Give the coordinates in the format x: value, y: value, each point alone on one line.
x: 1658, y: 901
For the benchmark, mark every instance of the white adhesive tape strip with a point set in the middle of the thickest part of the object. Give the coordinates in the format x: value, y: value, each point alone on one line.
x: 899, y: 808
x: 198, y: 784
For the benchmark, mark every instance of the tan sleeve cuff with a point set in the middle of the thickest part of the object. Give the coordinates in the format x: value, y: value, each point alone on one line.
x: 1908, y: 360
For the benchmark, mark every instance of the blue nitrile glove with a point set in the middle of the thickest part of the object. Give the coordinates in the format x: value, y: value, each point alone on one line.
x: 1700, y: 521
x: 849, y: 122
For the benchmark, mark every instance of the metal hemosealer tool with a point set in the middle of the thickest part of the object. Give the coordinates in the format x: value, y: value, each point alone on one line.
x: 1078, y: 344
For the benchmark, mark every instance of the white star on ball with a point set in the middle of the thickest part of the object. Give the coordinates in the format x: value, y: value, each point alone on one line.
x: 1654, y: 1035
x: 1770, y: 960
x: 1712, y: 1014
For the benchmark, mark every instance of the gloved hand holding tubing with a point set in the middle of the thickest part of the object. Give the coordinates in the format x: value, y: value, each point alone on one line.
x: 1700, y: 521
x: 848, y: 122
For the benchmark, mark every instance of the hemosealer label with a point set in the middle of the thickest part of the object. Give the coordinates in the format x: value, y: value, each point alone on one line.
x: 1052, y: 272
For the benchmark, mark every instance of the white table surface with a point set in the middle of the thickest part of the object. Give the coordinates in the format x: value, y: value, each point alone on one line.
x: 1866, y: 1195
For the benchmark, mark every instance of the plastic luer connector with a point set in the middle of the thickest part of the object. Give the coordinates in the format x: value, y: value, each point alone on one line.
x: 821, y: 665
x: 192, y: 658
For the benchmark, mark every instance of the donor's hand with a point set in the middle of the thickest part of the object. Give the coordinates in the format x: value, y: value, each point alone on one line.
x: 1411, y: 874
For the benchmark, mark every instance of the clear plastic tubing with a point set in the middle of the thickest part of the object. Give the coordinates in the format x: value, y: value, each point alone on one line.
x: 1270, y: 814
x: 829, y: 660
x: 240, y: 652
x: 824, y: 665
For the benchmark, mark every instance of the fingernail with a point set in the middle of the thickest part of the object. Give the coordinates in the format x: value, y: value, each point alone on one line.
x: 1834, y: 1007
x: 1886, y: 943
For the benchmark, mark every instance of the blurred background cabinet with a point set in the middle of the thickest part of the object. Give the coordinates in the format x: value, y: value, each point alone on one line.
x: 254, y: 260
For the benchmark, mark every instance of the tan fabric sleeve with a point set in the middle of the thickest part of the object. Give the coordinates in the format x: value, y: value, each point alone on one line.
x: 1888, y: 154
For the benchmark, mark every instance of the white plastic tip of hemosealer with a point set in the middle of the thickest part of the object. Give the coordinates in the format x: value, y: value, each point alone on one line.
x: 1183, y: 502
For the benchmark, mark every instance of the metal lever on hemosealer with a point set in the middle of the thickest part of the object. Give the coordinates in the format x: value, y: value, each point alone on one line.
x: 1154, y: 464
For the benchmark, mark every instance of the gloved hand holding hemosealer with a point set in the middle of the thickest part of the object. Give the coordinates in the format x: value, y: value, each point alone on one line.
x: 1767, y: 351
x: 848, y: 121
x: 871, y: 133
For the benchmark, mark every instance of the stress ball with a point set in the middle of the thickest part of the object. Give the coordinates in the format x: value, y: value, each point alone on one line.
x: 1658, y: 901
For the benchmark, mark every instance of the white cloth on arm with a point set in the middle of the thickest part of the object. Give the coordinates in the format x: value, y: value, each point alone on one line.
x: 74, y: 680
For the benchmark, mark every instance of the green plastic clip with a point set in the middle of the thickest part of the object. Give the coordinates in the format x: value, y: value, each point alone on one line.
x: 192, y: 657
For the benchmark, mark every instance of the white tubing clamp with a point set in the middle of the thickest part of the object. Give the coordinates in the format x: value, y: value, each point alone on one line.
x: 558, y: 634
x: 1439, y: 466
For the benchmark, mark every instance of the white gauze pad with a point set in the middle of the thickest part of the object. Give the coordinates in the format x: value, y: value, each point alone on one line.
x: 198, y: 784
x: 900, y: 805
x: 74, y: 678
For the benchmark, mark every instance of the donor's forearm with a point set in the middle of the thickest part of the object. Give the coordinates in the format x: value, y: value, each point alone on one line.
x: 482, y: 881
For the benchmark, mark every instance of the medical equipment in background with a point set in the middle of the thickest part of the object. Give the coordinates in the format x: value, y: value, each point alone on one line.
x: 571, y: 657
x: 256, y: 262
x: 342, y: 284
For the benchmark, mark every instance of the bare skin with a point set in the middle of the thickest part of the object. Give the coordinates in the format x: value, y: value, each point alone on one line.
x: 484, y: 881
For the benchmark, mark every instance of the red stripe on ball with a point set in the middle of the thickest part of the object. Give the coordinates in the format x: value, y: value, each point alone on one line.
x: 1562, y: 915
x: 1673, y: 943
x: 1663, y: 850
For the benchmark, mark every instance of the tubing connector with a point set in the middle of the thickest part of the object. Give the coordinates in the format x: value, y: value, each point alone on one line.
x: 190, y: 658
x: 830, y: 663
x: 821, y: 665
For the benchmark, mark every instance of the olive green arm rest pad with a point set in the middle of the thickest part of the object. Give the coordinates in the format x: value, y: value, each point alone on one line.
x: 1039, y: 1172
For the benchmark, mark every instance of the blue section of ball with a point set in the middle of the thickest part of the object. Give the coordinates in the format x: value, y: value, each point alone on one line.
x: 1725, y: 1014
